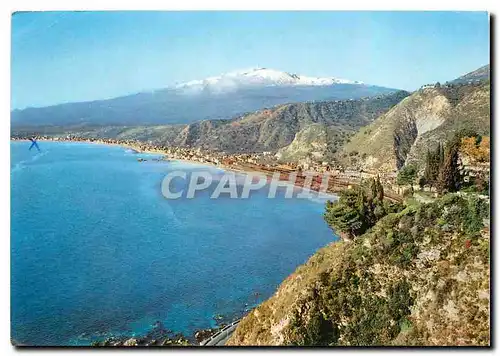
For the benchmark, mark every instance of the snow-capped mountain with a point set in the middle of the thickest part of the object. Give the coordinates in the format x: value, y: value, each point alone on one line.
x: 259, y: 77
x: 221, y: 97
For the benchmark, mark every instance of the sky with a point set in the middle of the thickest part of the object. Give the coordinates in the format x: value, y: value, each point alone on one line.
x: 59, y: 57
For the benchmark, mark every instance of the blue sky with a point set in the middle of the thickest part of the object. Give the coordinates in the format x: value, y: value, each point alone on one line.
x: 76, y: 56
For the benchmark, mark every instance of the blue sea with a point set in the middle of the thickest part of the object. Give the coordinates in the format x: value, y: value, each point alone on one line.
x: 96, y: 250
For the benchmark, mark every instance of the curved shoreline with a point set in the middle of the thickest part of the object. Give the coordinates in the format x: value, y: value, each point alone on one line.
x: 162, y: 154
x: 313, y: 194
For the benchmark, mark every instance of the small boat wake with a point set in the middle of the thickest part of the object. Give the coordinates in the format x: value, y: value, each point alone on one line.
x: 27, y: 162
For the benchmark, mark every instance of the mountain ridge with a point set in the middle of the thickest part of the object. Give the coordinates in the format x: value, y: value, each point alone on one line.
x: 219, y: 97
x: 419, y: 122
x: 480, y: 74
x: 272, y: 129
x: 261, y: 76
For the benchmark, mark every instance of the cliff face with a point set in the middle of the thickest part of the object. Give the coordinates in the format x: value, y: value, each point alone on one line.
x: 419, y: 277
x: 417, y: 123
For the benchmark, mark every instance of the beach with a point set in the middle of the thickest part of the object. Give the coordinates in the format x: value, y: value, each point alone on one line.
x: 242, y: 169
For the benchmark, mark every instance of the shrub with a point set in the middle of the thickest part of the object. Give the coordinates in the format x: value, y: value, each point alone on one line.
x: 407, y: 175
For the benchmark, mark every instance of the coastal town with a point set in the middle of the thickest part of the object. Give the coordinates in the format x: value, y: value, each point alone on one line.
x: 309, y: 175
x: 339, y: 178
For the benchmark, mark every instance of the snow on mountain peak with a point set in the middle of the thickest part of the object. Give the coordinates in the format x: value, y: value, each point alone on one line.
x: 259, y: 77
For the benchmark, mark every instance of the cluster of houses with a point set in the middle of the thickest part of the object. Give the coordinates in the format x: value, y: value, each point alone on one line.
x: 452, y: 85
x: 265, y: 161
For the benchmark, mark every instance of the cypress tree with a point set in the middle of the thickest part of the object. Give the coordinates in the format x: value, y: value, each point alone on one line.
x: 441, y: 154
x: 427, y: 170
x: 380, y: 190
x: 373, y: 188
x: 449, y: 174
x: 433, y: 162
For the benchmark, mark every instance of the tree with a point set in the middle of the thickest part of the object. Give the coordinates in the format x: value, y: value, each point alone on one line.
x: 484, y: 150
x: 407, y: 175
x: 421, y: 182
x: 377, y: 207
x: 441, y: 154
x: 344, y: 215
x: 380, y: 190
x: 377, y: 189
x: 433, y: 162
x: 355, y: 211
x: 449, y: 177
x: 477, y: 148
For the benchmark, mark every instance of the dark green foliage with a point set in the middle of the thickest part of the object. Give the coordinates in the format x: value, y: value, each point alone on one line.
x: 482, y: 185
x: 477, y: 184
x: 441, y: 166
x: 407, y: 175
x: 449, y: 178
x: 348, y: 215
x: 421, y: 182
x: 318, y: 332
x: 356, y: 211
x: 353, y: 306
x: 377, y: 190
x: 473, y: 215
x: 373, y: 319
x: 433, y: 162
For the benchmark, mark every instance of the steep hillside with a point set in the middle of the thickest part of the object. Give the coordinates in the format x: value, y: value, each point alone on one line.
x: 419, y: 277
x: 420, y: 121
x: 316, y: 129
x: 315, y: 142
x: 480, y: 74
x: 275, y: 128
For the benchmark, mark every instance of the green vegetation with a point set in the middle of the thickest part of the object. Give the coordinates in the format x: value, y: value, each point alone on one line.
x: 442, y: 170
x: 433, y: 162
x: 356, y: 210
x: 403, y: 135
x: 449, y: 177
x: 419, y: 276
x: 402, y: 275
x: 407, y: 175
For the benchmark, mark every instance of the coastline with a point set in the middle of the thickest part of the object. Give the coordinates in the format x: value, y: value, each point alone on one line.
x: 143, y: 149
x: 170, y: 339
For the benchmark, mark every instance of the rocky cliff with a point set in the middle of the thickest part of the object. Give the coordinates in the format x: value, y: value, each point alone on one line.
x: 277, y: 127
x: 419, y: 277
x: 428, y: 116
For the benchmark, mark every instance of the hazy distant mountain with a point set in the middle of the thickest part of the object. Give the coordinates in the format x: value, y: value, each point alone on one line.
x: 220, y: 97
x: 480, y: 74
x: 311, y: 130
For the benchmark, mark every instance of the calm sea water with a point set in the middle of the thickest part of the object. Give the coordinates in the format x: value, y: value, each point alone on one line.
x: 96, y: 250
